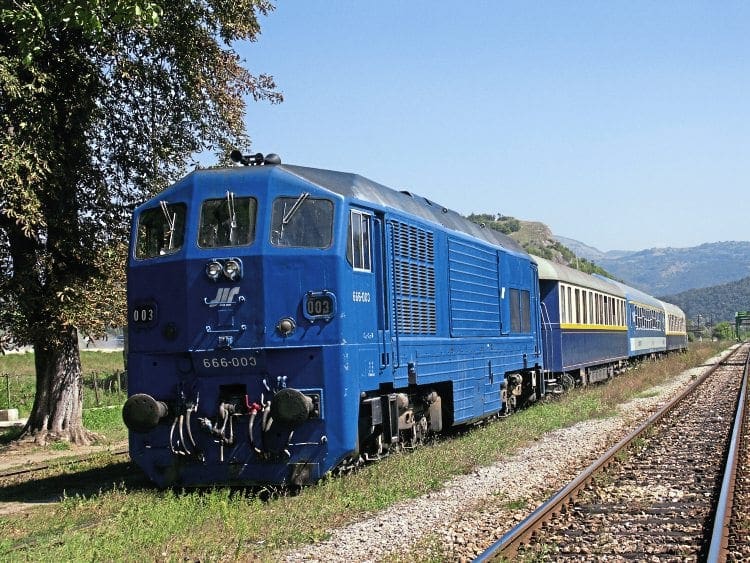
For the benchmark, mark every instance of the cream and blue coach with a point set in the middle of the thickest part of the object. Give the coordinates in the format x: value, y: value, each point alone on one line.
x: 584, y: 330
x: 646, y: 322
x: 676, y: 327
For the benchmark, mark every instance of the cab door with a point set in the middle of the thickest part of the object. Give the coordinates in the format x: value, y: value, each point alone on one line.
x: 365, y: 251
x: 380, y: 270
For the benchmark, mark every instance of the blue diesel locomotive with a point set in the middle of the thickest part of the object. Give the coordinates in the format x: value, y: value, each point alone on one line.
x: 287, y: 321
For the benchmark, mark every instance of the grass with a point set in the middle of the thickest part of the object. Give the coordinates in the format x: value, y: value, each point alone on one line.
x: 103, y: 392
x: 18, y: 379
x: 220, y: 524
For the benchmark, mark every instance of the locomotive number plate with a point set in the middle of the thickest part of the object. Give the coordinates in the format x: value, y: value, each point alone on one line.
x: 320, y: 305
x: 230, y: 361
x: 144, y: 314
x: 217, y: 362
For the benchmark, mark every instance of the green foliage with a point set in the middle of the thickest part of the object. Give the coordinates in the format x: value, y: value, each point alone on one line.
x: 504, y: 224
x: 31, y: 21
x: 102, y: 104
x: 723, y: 331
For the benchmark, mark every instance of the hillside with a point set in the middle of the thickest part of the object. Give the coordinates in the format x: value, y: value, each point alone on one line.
x: 717, y: 303
x: 537, y: 239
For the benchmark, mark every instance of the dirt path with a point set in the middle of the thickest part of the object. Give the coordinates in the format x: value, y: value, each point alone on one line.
x: 17, y: 456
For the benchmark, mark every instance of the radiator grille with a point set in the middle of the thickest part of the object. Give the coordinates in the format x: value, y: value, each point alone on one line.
x: 413, y: 279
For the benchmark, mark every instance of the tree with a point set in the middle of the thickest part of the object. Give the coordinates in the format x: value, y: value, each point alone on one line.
x: 723, y: 331
x: 103, y: 103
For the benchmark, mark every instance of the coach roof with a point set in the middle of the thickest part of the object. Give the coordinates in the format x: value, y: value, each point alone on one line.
x: 552, y: 271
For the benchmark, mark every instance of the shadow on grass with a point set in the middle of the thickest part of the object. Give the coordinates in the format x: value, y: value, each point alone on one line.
x: 85, y: 483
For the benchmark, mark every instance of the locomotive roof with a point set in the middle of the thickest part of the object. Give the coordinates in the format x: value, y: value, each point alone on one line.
x: 358, y: 187
x: 549, y: 270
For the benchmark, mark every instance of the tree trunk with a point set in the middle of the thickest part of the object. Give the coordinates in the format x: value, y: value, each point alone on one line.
x: 58, y: 405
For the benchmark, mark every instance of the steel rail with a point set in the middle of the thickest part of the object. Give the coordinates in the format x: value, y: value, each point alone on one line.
x: 719, y: 547
x: 508, y: 544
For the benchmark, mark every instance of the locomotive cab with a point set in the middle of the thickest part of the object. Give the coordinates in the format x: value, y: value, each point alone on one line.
x: 232, y: 294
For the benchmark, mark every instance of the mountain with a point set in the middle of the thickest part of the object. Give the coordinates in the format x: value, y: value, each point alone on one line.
x: 537, y: 239
x: 715, y: 304
x: 589, y: 252
x: 668, y: 271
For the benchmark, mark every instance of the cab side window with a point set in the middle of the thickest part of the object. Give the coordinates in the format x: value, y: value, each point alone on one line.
x: 520, y: 311
x: 358, y: 251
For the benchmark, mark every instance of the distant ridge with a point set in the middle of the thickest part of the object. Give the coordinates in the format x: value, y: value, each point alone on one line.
x: 668, y: 271
x: 717, y: 303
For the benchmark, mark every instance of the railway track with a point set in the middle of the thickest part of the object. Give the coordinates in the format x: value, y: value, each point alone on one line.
x: 735, y: 534
x: 654, y: 495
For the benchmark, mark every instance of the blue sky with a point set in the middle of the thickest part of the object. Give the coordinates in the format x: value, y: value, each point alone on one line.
x: 625, y: 125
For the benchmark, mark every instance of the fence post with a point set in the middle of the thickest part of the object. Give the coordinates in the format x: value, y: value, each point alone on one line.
x: 96, y: 388
x: 7, y: 386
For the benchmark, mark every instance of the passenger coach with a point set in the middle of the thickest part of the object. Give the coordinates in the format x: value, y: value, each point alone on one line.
x: 646, y: 321
x: 584, y: 332
x: 676, y: 327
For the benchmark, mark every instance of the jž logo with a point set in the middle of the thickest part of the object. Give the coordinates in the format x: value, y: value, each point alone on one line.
x: 224, y: 296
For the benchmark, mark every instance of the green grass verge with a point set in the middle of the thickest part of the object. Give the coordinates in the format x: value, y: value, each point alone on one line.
x: 103, y: 395
x: 222, y: 524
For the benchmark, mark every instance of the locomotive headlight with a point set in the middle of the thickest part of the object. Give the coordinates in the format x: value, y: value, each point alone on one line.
x: 213, y: 270
x: 233, y: 269
x: 286, y: 326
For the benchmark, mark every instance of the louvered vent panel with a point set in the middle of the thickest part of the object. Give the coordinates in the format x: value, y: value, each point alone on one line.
x: 474, y: 295
x: 414, y: 279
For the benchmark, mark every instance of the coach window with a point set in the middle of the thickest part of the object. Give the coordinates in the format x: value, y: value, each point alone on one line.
x: 161, y: 230
x: 563, y: 310
x: 302, y: 221
x: 358, y: 242
x: 586, y: 311
x: 570, y: 306
x: 606, y: 310
x: 228, y: 221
